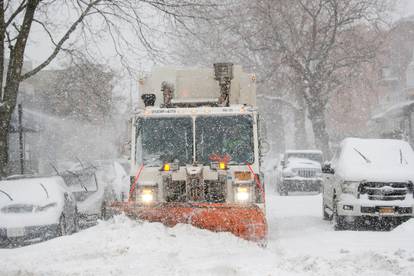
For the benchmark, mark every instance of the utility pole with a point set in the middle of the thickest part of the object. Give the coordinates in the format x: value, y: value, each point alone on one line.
x: 21, y: 144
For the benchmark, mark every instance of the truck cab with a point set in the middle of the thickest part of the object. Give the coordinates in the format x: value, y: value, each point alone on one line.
x: 195, y: 145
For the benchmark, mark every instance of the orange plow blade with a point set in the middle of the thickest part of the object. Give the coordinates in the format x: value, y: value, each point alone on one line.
x: 247, y: 222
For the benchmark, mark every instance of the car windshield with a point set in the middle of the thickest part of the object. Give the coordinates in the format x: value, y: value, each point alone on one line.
x: 301, y: 155
x: 165, y: 140
x: 224, y: 135
x: 80, y: 182
x: 380, y: 153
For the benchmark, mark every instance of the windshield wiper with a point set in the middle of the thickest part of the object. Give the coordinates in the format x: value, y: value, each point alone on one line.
x: 363, y: 156
x: 11, y: 199
x: 80, y: 181
x: 44, y: 189
x: 402, y: 158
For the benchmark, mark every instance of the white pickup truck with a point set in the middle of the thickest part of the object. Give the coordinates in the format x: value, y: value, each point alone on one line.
x: 369, y: 181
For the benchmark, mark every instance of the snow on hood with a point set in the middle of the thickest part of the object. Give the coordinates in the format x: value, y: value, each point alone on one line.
x: 37, y: 192
x: 375, y: 160
x: 294, y: 162
x: 32, y: 190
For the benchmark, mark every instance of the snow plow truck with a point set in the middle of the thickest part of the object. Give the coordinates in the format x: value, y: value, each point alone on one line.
x: 196, y: 151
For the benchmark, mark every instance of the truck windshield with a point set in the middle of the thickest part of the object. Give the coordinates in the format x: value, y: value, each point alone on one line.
x: 224, y: 135
x: 165, y: 140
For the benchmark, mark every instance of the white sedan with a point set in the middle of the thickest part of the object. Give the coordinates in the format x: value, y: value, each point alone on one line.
x: 35, y: 208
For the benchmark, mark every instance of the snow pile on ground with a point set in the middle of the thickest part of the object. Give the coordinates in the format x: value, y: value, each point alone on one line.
x: 125, y: 247
x: 405, y: 229
x: 300, y: 243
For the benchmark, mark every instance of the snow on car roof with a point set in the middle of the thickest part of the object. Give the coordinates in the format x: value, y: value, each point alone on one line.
x: 388, y: 159
x: 31, y: 190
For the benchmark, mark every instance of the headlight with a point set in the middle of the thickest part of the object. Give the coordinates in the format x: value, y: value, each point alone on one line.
x: 242, y: 194
x: 218, y: 165
x: 147, y: 195
x: 289, y: 173
x: 350, y: 187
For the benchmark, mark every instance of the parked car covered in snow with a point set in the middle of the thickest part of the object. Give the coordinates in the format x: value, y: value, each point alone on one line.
x: 35, y: 208
x: 369, y: 181
x: 299, y: 171
x: 95, y: 187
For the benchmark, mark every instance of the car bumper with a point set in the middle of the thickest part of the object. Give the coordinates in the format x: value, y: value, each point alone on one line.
x: 302, y: 185
x: 353, y: 208
x: 28, y: 234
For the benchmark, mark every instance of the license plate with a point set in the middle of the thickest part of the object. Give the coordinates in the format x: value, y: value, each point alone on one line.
x: 386, y: 210
x: 15, y: 232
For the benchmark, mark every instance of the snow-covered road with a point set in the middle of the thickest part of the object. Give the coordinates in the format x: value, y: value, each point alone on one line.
x: 300, y: 243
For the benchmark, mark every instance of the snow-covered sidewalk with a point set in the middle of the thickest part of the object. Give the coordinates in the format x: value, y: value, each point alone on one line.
x: 300, y: 243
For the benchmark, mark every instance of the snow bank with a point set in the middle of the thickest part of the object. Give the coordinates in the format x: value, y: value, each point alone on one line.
x: 406, y: 228
x: 300, y: 243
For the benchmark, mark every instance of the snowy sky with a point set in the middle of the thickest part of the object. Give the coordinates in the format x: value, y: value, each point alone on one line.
x: 41, y: 48
x: 406, y: 8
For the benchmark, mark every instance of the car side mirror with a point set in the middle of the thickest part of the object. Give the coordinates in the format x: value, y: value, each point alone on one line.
x: 326, y: 168
x: 264, y: 147
x: 282, y: 163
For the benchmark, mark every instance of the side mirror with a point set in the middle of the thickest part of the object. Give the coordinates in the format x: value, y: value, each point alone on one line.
x: 282, y: 163
x: 326, y: 168
x: 264, y: 147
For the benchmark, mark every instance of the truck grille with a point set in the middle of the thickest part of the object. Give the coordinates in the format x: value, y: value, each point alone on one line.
x: 207, y: 191
x: 385, y: 191
x: 307, y: 173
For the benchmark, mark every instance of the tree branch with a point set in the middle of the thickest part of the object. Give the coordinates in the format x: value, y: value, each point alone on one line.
x: 61, y: 42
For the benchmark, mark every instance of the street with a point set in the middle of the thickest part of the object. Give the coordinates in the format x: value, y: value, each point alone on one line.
x: 300, y: 243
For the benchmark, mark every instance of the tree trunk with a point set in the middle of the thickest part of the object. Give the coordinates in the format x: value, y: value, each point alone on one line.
x: 317, y: 117
x: 300, y: 126
x: 13, y: 79
x: 4, y: 153
x: 6, y: 112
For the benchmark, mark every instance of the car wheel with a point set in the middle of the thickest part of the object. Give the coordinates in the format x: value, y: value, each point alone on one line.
x: 283, y: 191
x: 76, y: 221
x: 325, y: 215
x: 104, y: 215
x: 62, y: 229
x: 339, y: 221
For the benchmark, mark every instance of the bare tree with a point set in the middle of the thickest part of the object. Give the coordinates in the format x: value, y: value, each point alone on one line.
x: 304, y: 50
x: 90, y: 21
x: 322, y: 41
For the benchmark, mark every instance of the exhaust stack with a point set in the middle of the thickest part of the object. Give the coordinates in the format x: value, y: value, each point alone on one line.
x: 224, y: 74
x: 167, y: 92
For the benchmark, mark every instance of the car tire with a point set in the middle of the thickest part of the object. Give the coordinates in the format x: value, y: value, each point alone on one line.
x: 325, y: 215
x: 283, y: 191
x: 76, y: 222
x: 339, y: 221
x: 62, y: 228
x: 104, y: 214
